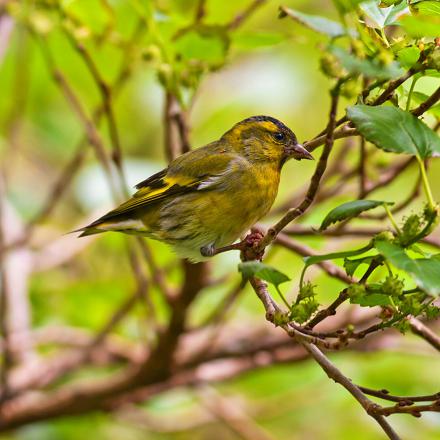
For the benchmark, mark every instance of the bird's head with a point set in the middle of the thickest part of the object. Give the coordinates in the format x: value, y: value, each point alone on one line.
x: 263, y: 138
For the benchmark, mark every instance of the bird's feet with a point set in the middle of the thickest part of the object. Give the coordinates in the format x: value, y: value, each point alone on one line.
x: 208, y: 250
x: 248, y: 247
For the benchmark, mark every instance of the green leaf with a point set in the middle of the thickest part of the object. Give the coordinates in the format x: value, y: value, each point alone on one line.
x: 350, y: 266
x: 381, y: 17
x: 421, y: 25
x: 349, y: 210
x: 371, y: 300
x: 314, y: 259
x: 335, y: 255
x: 207, y: 45
x: 251, y: 269
x: 427, y: 7
x: 432, y: 73
x: 370, y: 68
x: 408, y: 56
x: 315, y: 22
x: 346, y: 6
x: 424, y: 271
x: 395, y: 130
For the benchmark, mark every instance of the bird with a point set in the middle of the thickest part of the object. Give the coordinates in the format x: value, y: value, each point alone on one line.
x: 209, y: 197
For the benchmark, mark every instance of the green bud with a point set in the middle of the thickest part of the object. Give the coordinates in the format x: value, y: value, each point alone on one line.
x: 403, y: 326
x: 384, y: 236
x: 355, y: 290
x: 385, y: 57
x: 280, y: 318
x: 307, y: 291
x: 392, y: 286
x: 306, y: 304
x: 411, y: 227
x: 434, y: 59
x: 358, y: 49
x: 164, y: 74
x: 151, y: 53
x: 330, y: 66
x: 351, y: 88
x: 41, y: 23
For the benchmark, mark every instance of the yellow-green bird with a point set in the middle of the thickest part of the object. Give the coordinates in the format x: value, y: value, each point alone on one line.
x: 207, y: 198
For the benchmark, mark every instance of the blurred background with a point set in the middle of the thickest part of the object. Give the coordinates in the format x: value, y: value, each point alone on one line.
x: 67, y: 289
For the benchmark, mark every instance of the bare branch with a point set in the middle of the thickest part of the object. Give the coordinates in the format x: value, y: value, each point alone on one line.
x: 335, y: 374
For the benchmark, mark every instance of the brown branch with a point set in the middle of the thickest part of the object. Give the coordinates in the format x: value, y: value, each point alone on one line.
x: 171, y: 143
x: 66, y: 176
x: 90, y: 128
x: 335, y: 374
x: 388, y: 176
x: 200, y: 11
x: 407, y: 400
x: 418, y: 328
x: 328, y: 311
x: 399, y: 206
x: 293, y: 213
x: 233, y: 416
x: 427, y: 104
x: 393, y: 85
x: 343, y: 132
x: 241, y: 17
x: 107, y: 103
x: 414, y: 410
x: 305, y: 251
x: 4, y: 295
x: 362, y: 167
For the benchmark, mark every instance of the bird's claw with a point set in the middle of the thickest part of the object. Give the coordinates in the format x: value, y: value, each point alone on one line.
x: 208, y: 251
x: 248, y: 247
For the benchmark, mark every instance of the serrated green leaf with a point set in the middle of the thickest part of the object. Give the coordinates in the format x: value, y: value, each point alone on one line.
x: 372, y: 300
x: 424, y: 271
x: 268, y: 273
x: 316, y: 23
x: 349, y: 210
x: 392, y: 129
x: 369, y: 68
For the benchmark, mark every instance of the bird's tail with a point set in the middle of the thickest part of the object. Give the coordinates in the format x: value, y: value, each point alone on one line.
x: 86, y: 230
x: 113, y: 222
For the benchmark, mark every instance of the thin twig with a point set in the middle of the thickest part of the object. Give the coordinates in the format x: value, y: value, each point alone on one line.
x: 424, y: 332
x: 293, y: 213
x: 238, y: 20
x: 334, y: 373
x: 427, y: 104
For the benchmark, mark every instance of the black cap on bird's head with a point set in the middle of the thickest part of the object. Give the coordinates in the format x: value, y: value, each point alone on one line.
x: 280, y: 134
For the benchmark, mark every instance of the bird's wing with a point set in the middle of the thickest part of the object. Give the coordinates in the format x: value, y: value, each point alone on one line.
x: 193, y: 172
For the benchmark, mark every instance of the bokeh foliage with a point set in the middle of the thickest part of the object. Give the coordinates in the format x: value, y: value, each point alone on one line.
x: 216, y: 62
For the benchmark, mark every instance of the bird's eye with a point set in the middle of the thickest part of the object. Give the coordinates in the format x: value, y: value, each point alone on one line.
x: 279, y: 136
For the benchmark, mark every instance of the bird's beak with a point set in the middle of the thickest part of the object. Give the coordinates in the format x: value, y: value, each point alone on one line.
x: 297, y: 152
